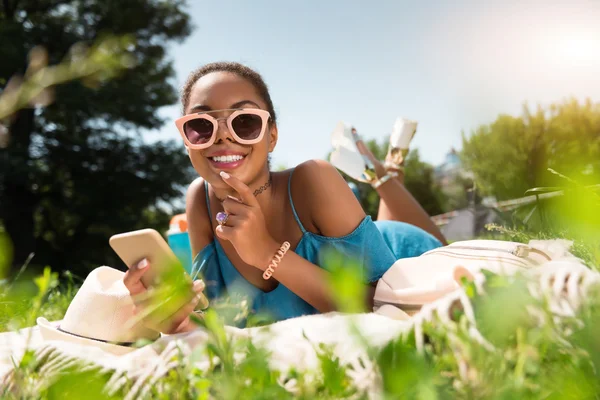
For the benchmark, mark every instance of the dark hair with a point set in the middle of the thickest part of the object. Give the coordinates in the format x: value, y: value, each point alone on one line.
x: 235, y: 68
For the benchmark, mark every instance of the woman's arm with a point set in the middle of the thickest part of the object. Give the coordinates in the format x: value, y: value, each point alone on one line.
x: 199, y: 229
x: 308, y: 281
x: 324, y: 199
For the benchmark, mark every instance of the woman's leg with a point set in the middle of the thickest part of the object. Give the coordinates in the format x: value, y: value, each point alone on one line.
x: 396, y: 203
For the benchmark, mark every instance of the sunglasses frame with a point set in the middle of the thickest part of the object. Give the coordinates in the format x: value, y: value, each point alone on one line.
x: 263, y: 114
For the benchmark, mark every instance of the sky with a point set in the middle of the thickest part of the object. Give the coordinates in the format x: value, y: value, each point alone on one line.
x: 450, y: 65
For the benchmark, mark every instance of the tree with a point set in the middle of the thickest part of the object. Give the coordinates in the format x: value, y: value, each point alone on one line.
x: 419, y: 181
x: 79, y: 171
x: 513, y: 154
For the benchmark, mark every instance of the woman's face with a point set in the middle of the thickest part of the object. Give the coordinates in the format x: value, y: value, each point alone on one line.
x: 224, y: 91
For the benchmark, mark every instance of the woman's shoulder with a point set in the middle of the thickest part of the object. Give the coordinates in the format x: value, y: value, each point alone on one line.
x: 316, y: 174
x: 324, y: 199
x: 196, y: 209
x: 196, y: 195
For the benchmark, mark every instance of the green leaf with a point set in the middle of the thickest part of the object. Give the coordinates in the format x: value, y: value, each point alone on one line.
x: 346, y: 282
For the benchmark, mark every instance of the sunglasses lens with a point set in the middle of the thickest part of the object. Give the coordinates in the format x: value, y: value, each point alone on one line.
x: 198, y: 131
x: 247, y: 126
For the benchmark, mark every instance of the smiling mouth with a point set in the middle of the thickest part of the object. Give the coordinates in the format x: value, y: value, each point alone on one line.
x: 227, y: 159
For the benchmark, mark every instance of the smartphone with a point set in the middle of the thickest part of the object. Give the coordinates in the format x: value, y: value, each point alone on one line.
x: 165, y: 268
x: 134, y: 246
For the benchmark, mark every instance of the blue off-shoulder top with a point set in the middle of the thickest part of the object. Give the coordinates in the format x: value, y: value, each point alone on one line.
x: 375, y: 245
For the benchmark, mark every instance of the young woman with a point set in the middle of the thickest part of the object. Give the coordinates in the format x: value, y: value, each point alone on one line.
x: 262, y: 233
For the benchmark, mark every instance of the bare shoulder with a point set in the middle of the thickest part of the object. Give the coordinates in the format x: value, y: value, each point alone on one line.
x: 319, y: 178
x: 325, y: 198
x: 195, y: 190
x: 313, y: 172
x: 196, y: 210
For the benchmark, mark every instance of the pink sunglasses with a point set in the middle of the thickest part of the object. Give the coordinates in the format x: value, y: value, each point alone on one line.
x: 247, y: 126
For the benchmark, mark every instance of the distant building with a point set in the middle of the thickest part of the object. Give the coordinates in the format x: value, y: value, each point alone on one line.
x: 453, y: 179
x: 468, y: 217
x: 446, y: 174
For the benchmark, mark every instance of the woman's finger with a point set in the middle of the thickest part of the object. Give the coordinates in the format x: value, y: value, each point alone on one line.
x: 133, y: 276
x: 174, y: 323
x: 157, y: 311
x: 234, y: 220
x: 198, y: 289
x: 224, y: 232
x: 198, y: 286
x: 146, y: 312
x: 234, y: 207
x: 246, y: 195
x: 142, y: 298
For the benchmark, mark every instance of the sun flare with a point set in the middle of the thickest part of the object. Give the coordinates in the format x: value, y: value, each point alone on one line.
x: 579, y: 49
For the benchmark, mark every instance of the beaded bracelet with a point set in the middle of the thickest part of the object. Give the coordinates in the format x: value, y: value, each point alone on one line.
x: 276, y: 260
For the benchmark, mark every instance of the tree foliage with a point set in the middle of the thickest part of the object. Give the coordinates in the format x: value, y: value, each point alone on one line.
x: 513, y: 154
x: 420, y: 182
x: 79, y: 170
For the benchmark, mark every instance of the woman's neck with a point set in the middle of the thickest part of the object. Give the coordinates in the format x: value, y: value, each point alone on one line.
x: 261, y: 187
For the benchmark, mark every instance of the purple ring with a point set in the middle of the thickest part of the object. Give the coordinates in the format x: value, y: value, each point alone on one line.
x: 222, y: 217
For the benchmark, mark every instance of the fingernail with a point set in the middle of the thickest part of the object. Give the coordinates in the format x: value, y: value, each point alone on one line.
x: 224, y: 175
x: 233, y: 198
x: 198, y: 285
x: 142, y: 264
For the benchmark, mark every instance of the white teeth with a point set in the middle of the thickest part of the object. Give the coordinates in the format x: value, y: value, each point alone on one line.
x: 224, y: 159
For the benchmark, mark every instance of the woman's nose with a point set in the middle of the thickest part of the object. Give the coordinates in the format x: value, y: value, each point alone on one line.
x: 223, y: 132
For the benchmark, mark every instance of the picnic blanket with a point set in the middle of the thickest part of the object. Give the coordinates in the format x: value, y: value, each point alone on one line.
x: 294, y: 343
x: 291, y: 343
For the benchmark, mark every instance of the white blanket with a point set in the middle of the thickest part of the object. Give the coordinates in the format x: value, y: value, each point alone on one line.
x: 292, y: 343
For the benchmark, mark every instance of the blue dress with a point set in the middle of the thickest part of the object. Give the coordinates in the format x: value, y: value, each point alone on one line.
x: 377, y: 245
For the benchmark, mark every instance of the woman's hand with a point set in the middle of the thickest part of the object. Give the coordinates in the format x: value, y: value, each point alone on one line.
x: 146, y: 301
x: 364, y: 150
x: 245, y: 226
